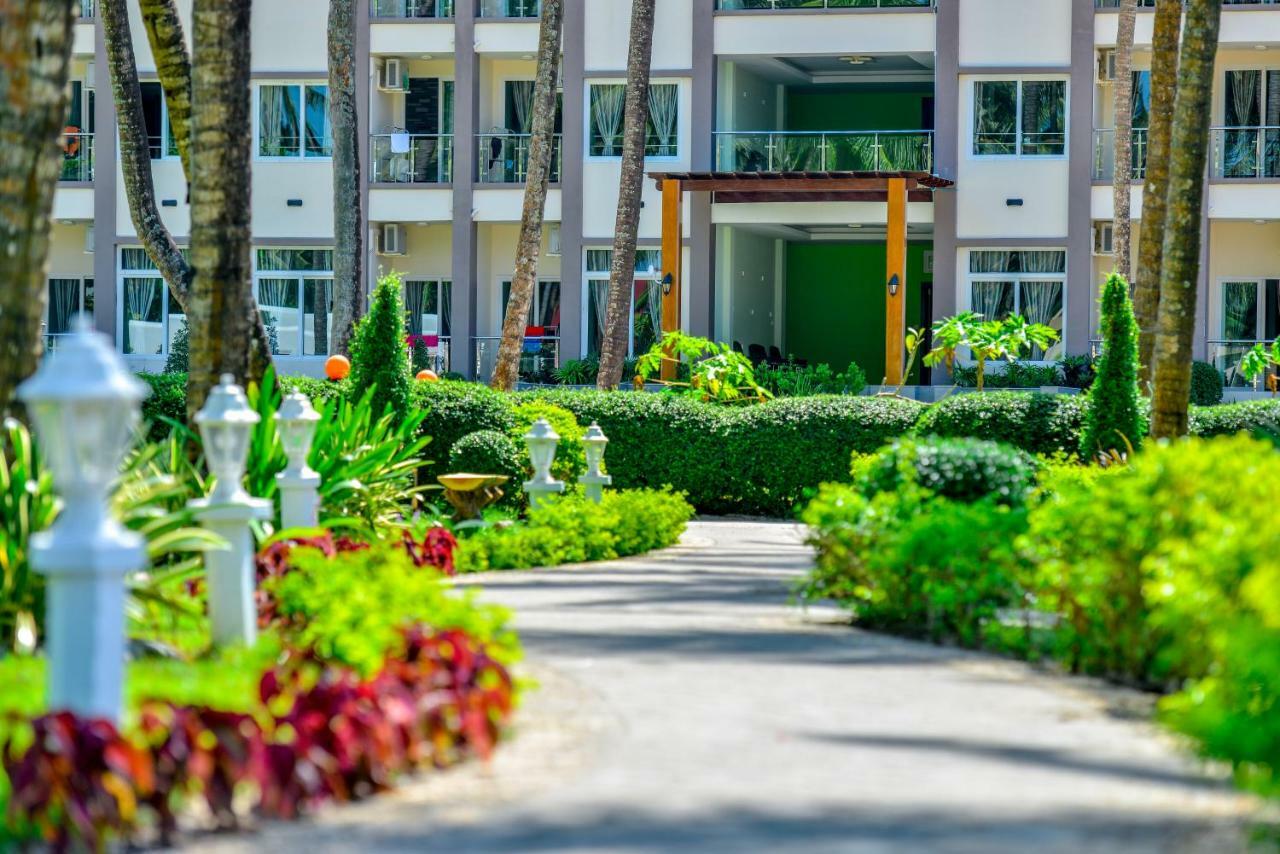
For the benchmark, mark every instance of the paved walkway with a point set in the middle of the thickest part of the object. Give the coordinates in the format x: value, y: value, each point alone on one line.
x: 687, y: 705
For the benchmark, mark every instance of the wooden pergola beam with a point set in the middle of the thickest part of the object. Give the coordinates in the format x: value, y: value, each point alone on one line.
x: 672, y: 261
x: 895, y: 314
x: 788, y: 184
x: 731, y: 197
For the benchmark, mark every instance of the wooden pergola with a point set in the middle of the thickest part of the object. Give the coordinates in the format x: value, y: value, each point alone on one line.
x: 895, y: 188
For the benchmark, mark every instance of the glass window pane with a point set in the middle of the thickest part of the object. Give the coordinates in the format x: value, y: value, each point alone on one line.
x: 648, y: 261
x: 1239, y: 311
x: 317, y: 316
x: 1041, y: 302
x: 153, y: 116
x: 64, y: 304
x: 279, y: 125
x: 991, y: 261
x: 547, y: 309
x: 597, y: 305
x: 1052, y: 261
x: 319, y: 131
x: 598, y: 260
x: 1141, y: 99
x: 646, y: 314
x: 143, y: 315
x: 605, y: 115
x: 1044, y: 117
x: 177, y: 324
x: 993, y: 300
x: 995, y: 107
x: 278, y: 302
x: 295, y: 260
x: 660, y: 132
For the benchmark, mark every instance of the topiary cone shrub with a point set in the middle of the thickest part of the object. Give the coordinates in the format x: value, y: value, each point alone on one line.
x: 1206, y: 384
x: 378, y: 355
x: 1115, y: 417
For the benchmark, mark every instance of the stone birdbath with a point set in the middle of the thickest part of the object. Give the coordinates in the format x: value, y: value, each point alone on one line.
x: 469, y: 494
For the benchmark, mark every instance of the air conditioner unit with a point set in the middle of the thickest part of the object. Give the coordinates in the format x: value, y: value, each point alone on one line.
x: 1103, y: 235
x: 391, y: 239
x: 1107, y: 64
x: 392, y: 78
x: 553, y: 240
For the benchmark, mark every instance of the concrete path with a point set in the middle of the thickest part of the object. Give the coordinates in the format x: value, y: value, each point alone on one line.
x: 687, y: 705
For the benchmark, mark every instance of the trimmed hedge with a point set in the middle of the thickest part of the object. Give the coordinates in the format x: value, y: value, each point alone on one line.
x: 1206, y: 384
x: 453, y: 410
x: 1250, y: 416
x: 964, y: 470
x: 168, y: 399
x: 1036, y: 423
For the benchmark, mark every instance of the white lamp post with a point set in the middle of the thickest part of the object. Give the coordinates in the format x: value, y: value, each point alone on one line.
x: 85, y: 406
x: 226, y: 424
x: 299, y: 501
x: 594, y: 481
x: 542, y: 440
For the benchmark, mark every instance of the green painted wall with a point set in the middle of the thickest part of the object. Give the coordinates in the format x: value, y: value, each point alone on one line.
x: 854, y: 111
x: 835, y: 302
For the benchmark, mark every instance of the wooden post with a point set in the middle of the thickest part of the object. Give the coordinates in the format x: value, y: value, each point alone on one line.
x: 895, y: 314
x: 672, y: 257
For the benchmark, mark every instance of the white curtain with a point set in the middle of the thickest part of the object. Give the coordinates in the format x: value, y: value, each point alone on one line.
x: 414, y: 299
x: 600, y: 290
x: 446, y: 306
x: 274, y: 293
x: 1043, y: 262
x: 64, y: 301
x: 655, y: 307
x: 990, y: 261
x: 992, y: 300
x: 522, y: 97
x: 606, y: 116
x: 1042, y: 302
x: 140, y: 297
x: 276, y: 115
x: 664, y: 104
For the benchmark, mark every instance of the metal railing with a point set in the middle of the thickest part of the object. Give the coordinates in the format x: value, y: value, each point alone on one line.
x: 77, y: 157
x: 1225, y: 355
x: 824, y: 151
x: 401, y: 158
x: 508, y: 8
x: 1245, y: 152
x: 776, y: 5
x: 436, y: 357
x: 411, y: 9
x: 1150, y: 4
x: 503, y: 158
x: 538, y: 360
x: 1104, y: 154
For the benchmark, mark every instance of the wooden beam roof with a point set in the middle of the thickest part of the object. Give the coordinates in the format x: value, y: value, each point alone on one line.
x: 803, y: 186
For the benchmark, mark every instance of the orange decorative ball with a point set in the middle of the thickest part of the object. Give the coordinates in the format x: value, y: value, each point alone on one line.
x: 337, y: 367
x: 428, y: 376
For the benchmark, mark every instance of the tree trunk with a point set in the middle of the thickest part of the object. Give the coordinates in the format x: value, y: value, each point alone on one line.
x: 1123, y: 154
x: 1180, y: 268
x: 348, y: 244
x: 222, y: 310
x: 541, y: 141
x: 173, y: 66
x: 613, y: 350
x: 35, y: 61
x: 1164, y: 83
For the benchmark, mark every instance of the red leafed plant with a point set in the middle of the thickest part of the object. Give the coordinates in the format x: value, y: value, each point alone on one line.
x: 79, y: 781
x: 436, y: 549
x: 273, y: 561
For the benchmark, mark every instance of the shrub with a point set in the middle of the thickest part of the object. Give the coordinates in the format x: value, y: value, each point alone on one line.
x: 1010, y: 375
x: 1077, y: 371
x: 378, y: 356
x: 795, y: 381
x: 166, y: 400
x: 179, y: 349
x: 571, y: 529
x: 1036, y: 423
x: 964, y: 470
x: 571, y: 458
x: 452, y: 410
x: 1206, y: 384
x: 320, y: 391
x: 1116, y: 417
x: 1144, y: 563
x: 1252, y: 416
x: 486, y: 452
x: 913, y: 563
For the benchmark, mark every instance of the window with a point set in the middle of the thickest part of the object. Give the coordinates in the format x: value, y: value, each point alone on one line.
x: 1026, y: 118
x: 1250, y: 309
x: 294, y: 288
x: 148, y: 321
x: 544, y: 311
x: 1031, y: 283
x: 1251, y: 119
x: 605, y: 118
x: 67, y: 298
x: 646, y: 299
x: 293, y: 121
x: 428, y: 307
x: 155, y: 118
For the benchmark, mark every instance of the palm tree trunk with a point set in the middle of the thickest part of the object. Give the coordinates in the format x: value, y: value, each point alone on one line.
x: 222, y: 310
x: 1123, y: 172
x: 613, y: 350
x: 35, y: 61
x: 1180, y: 268
x: 173, y: 66
x: 1164, y: 83
x: 507, y: 369
x: 348, y: 243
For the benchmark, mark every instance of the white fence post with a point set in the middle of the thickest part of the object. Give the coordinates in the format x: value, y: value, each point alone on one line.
x: 542, y: 440
x: 594, y: 481
x: 299, y: 484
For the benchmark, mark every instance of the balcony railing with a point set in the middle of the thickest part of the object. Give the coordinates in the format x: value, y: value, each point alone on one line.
x: 411, y: 9
x: 435, y: 356
x: 1246, y: 152
x: 402, y: 158
x: 1104, y: 154
x: 503, y: 158
x: 777, y: 5
x: 538, y: 360
x: 509, y: 8
x: 824, y: 151
x: 1150, y: 4
x: 77, y: 157
x: 1225, y: 355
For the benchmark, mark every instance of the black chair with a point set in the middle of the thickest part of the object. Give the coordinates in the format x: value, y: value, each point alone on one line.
x: 756, y: 354
x: 737, y: 347
x: 775, y: 355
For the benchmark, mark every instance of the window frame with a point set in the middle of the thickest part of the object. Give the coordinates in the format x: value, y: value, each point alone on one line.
x: 966, y: 297
x: 588, y: 129
x: 166, y: 132
x: 1018, y: 153
x: 1260, y: 303
x: 122, y: 276
x: 301, y: 156
x: 504, y: 282
x: 299, y: 277
x: 83, y: 280
x: 588, y: 276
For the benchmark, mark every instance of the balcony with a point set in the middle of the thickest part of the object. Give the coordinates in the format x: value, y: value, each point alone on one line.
x: 538, y: 360
x: 430, y: 351
x: 509, y: 9
x: 503, y: 158
x: 824, y: 151
x: 401, y: 158
x: 77, y: 157
x: 1225, y: 355
x: 1245, y: 153
x: 787, y: 5
x: 1104, y: 154
x: 411, y: 9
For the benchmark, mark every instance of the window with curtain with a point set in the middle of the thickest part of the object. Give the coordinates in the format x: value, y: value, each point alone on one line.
x: 607, y: 102
x: 1031, y: 283
x: 544, y: 311
x: 294, y: 288
x: 427, y: 307
x: 148, y: 322
x: 646, y: 299
x: 293, y: 121
x: 1026, y: 118
x: 64, y: 303
x: 1240, y: 305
